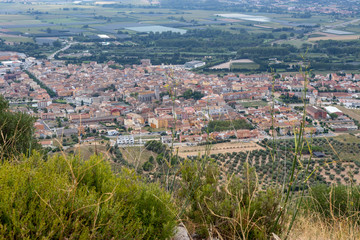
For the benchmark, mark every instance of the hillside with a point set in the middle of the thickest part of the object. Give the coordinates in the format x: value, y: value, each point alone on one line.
x: 218, y: 190
x: 69, y: 198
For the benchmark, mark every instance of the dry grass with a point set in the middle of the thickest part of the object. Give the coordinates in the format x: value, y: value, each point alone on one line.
x: 227, y: 65
x: 136, y: 155
x: 263, y: 26
x: 335, y: 37
x: 353, y: 113
x: 316, y: 228
x: 219, y: 148
x: 87, y: 150
x: 347, y: 138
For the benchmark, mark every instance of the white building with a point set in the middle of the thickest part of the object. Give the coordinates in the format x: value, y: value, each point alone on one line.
x: 112, y: 133
x: 194, y: 64
x: 125, y: 140
x: 15, y: 63
x: 331, y: 110
x: 103, y: 36
x: 166, y: 139
x: 43, y: 104
x: 83, y: 100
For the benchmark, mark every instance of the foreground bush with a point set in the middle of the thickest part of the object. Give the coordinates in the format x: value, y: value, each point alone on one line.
x: 68, y: 198
x: 316, y: 227
x: 235, y: 209
x: 335, y: 202
x: 16, y: 132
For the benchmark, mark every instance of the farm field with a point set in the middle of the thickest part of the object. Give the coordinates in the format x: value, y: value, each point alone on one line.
x: 238, y: 66
x: 333, y: 168
x: 68, y: 15
x: 347, y: 138
x: 273, y: 160
x: 14, y: 38
x: 296, y: 42
x: 220, y: 148
x: 248, y: 104
x: 335, y: 37
x: 183, y: 35
x: 227, y: 65
x: 353, y: 113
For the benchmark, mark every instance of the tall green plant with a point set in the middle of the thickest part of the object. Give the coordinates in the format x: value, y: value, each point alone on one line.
x: 335, y: 202
x: 69, y: 198
x: 300, y: 173
x: 235, y: 209
x: 16, y: 132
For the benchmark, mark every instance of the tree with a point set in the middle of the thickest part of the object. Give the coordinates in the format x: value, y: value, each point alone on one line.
x: 333, y: 116
x: 57, y: 43
x: 151, y: 159
x: 196, y: 95
x: 3, y: 104
x: 148, y: 166
x: 218, y: 125
x: 58, y: 120
x: 16, y: 130
x: 283, y: 36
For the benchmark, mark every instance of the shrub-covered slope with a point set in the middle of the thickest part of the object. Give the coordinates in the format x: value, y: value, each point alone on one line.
x: 69, y: 198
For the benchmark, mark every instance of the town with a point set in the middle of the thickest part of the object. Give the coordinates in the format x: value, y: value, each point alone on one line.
x: 180, y: 119
x: 130, y: 105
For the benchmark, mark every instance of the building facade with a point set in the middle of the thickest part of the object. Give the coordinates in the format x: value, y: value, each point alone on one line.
x: 125, y: 140
x: 316, y: 112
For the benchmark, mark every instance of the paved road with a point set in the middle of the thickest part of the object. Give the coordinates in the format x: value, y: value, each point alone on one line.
x: 342, y: 24
x: 63, y: 49
x: 46, y: 126
x: 330, y: 134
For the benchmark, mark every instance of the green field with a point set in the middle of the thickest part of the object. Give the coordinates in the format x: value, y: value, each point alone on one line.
x: 85, y: 21
x: 81, y: 13
x: 253, y: 104
x: 16, y: 39
x: 242, y: 66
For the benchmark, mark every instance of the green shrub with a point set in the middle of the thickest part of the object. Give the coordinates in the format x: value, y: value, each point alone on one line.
x: 16, y: 132
x: 338, y: 201
x: 233, y: 210
x: 68, y: 198
x: 148, y: 166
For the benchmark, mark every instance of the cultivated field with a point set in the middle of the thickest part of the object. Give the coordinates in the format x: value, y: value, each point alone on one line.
x: 353, y: 113
x: 218, y: 148
x: 248, y: 104
x: 15, y: 38
x: 227, y: 65
x: 335, y: 37
x: 333, y: 168
x: 98, y: 18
